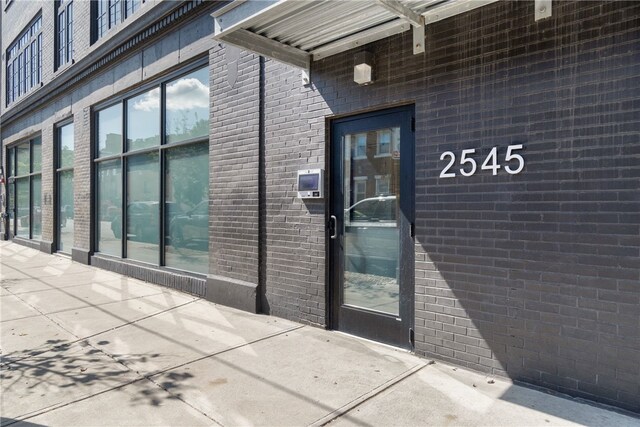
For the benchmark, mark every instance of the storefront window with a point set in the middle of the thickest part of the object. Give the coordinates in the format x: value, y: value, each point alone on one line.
x: 25, y: 195
x: 182, y: 208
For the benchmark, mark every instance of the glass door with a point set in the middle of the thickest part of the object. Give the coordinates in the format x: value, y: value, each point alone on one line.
x: 372, y: 205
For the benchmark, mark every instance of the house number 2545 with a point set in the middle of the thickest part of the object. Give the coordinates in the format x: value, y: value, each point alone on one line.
x: 469, y: 165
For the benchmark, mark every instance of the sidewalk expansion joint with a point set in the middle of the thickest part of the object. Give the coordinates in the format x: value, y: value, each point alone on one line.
x: 83, y: 339
x: 226, y: 350
x: 178, y: 397
x: 343, y: 410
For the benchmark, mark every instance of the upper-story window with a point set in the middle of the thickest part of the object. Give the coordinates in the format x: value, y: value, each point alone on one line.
x: 64, y: 32
x: 109, y: 13
x: 24, y: 61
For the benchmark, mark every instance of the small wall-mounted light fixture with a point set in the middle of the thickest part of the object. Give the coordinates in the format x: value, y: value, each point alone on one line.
x: 363, y: 68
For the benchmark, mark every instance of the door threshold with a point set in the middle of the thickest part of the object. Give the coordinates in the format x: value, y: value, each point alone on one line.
x: 389, y: 346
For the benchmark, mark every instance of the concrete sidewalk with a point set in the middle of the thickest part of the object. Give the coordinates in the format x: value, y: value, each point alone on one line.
x: 83, y: 346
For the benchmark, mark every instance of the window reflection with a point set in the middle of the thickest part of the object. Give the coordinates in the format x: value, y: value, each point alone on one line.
x: 66, y: 147
x: 143, y: 207
x: 22, y: 207
x: 143, y: 120
x: 110, y: 131
x: 147, y: 159
x: 22, y: 166
x: 110, y: 207
x: 36, y: 213
x: 36, y: 160
x: 65, y: 211
x: 187, y: 107
x: 187, y: 208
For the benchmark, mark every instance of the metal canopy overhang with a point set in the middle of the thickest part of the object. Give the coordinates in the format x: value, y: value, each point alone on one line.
x: 300, y: 31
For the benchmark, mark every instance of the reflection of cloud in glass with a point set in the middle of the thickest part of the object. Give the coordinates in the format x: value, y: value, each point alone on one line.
x: 148, y: 102
x: 185, y: 94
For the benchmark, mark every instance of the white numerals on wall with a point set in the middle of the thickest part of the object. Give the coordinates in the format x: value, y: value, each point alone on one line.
x: 491, y: 162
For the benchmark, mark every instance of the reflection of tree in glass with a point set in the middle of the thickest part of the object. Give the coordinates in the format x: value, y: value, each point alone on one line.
x: 66, y: 157
x: 188, y: 126
x: 188, y: 175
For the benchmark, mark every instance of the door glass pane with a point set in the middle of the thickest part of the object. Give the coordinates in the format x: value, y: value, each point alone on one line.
x: 110, y: 207
x: 371, y: 237
x: 187, y: 208
x: 66, y: 147
x: 143, y: 208
x: 143, y: 120
x: 65, y: 212
x: 22, y: 207
x: 187, y: 107
x: 36, y: 211
x: 110, y: 131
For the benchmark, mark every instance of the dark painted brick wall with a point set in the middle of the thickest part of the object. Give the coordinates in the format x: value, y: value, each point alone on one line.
x: 233, y: 154
x: 295, y: 245
x: 534, y: 276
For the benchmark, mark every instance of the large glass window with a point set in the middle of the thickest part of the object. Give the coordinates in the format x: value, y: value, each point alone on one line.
x: 106, y: 14
x: 24, y: 61
x: 64, y: 179
x: 64, y: 32
x: 174, y: 199
x: 25, y: 188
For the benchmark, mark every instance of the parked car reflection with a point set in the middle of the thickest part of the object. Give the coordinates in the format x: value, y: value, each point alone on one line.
x: 371, y: 236
x: 190, y: 229
x: 142, y: 222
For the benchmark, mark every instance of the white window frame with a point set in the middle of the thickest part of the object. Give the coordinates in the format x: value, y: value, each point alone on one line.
x: 356, y: 146
x: 380, y: 179
x: 357, y: 182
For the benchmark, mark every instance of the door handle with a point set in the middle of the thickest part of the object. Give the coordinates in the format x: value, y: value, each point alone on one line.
x: 333, y: 226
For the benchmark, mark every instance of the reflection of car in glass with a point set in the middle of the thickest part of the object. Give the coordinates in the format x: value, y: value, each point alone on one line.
x: 371, y: 236
x: 190, y: 229
x: 381, y: 208
x: 66, y: 212
x: 142, y: 222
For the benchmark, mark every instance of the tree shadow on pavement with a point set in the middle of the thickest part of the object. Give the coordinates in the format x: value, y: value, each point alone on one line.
x: 61, y: 372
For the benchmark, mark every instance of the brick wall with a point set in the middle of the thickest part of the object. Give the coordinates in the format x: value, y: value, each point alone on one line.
x: 233, y: 154
x: 534, y: 276
x: 295, y: 244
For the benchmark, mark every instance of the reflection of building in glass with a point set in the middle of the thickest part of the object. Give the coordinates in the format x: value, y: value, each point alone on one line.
x: 375, y: 163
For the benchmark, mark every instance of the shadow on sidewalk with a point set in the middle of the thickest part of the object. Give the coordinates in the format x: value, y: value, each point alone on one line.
x: 74, y: 371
